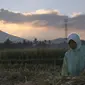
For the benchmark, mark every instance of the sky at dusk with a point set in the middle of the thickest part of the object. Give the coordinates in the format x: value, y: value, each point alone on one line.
x: 43, y: 19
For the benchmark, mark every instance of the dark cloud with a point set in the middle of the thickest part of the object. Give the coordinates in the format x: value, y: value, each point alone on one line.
x: 77, y: 22
x: 50, y: 18
x: 45, y: 18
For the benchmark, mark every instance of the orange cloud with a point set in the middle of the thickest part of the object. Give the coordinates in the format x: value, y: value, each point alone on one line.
x: 43, y: 11
x: 26, y: 30
x: 75, y: 14
x: 15, y: 29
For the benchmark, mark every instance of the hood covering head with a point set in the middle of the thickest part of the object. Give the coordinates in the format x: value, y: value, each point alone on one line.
x: 75, y: 38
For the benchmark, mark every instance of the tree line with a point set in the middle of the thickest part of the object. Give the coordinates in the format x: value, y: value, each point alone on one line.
x: 25, y: 43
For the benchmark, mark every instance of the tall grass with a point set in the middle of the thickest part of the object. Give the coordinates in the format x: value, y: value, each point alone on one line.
x: 31, y: 55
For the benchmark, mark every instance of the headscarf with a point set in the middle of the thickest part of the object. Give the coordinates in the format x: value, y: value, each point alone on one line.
x: 75, y: 37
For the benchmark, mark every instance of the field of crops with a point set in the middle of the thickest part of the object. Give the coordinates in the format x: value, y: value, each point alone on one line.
x: 34, y: 67
x: 30, y: 66
x: 32, y: 56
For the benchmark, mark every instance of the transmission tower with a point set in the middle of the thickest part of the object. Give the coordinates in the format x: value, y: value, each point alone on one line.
x: 66, y: 28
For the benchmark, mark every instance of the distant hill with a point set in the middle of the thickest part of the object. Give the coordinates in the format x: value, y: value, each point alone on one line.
x: 58, y: 41
x: 61, y: 43
x: 4, y: 36
x: 63, y: 40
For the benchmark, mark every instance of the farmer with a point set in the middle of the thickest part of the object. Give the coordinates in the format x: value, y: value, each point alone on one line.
x: 74, y: 59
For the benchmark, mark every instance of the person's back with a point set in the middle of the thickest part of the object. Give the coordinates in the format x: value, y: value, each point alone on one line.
x: 74, y: 60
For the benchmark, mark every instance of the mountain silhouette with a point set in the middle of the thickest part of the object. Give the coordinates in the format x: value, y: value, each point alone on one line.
x: 4, y: 36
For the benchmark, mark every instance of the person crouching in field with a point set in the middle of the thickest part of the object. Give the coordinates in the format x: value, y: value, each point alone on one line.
x: 74, y: 59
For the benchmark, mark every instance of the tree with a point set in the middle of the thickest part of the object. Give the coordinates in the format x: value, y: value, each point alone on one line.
x: 49, y: 41
x: 8, y: 41
x: 24, y: 42
x: 45, y: 41
x: 35, y: 41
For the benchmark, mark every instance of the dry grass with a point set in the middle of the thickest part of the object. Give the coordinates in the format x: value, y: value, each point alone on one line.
x: 35, y: 75
x: 38, y: 75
